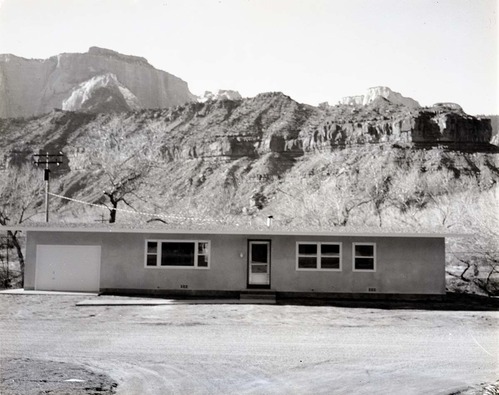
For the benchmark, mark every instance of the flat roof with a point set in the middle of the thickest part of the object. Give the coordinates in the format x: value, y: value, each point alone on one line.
x: 224, y: 230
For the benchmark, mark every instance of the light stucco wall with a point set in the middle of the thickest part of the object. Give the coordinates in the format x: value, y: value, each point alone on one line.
x: 405, y: 265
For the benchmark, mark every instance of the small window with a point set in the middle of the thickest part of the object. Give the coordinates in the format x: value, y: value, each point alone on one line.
x: 364, y: 257
x: 203, y: 254
x: 307, y: 256
x: 330, y: 256
x: 318, y: 256
x: 152, y: 253
x: 178, y: 254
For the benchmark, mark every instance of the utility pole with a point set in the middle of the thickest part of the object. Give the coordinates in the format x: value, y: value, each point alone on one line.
x: 47, y: 159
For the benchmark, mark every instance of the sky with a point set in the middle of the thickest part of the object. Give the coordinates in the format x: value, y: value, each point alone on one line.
x: 311, y: 50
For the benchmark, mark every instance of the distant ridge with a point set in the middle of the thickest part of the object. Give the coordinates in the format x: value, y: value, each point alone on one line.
x: 380, y: 91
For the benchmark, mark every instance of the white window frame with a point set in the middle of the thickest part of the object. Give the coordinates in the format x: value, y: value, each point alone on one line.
x: 159, y: 252
x: 373, y: 257
x: 318, y: 256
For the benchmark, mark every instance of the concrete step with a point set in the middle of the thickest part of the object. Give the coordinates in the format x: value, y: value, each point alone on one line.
x: 258, y: 295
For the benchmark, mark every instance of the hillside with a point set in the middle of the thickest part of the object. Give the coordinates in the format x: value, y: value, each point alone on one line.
x: 382, y: 166
x: 249, y: 156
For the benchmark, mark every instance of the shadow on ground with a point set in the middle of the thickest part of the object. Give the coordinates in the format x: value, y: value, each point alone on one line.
x: 451, y: 302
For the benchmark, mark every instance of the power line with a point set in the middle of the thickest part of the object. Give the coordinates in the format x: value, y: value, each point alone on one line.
x: 166, y: 216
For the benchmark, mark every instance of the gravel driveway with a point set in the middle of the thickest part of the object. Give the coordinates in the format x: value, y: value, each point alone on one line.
x: 251, y: 349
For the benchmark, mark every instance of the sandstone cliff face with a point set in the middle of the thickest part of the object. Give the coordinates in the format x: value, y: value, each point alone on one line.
x: 382, y: 122
x: 383, y: 92
x: 32, y: 87
x: 268, y: 124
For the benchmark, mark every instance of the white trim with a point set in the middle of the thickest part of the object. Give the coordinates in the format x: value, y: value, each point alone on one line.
x: 318, y: 256
x: 235, y: 231
x: 159, y: 252
x: 259, y: 278
x: 354, y: 256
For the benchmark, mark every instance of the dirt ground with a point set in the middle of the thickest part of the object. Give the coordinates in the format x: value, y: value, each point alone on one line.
x: 38, y: 376
x: 48, y: 345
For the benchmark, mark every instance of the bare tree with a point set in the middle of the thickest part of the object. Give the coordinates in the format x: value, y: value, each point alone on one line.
x: 480, y: 252
x: 21, y: 192
x: 330, y: 203
x: 124, y: 160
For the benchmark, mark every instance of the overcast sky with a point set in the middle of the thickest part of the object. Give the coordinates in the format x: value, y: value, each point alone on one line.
x: 312, y: 50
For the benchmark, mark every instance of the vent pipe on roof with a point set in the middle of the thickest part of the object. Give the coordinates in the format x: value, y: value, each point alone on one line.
x: 269, y: 220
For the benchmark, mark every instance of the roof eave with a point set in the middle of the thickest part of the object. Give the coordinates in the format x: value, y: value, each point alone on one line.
x: 249, y: 232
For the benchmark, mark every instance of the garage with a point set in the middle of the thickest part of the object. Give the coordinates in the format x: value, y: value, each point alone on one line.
x: 68, y: 268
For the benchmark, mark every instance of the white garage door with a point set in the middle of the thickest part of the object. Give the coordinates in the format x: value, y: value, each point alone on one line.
x: 67, y: 268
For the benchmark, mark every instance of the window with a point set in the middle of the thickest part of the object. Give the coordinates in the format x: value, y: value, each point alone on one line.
x: 178, y: 254
x: 364, y: 257
x: 318, y: 256
x: 152, y: 253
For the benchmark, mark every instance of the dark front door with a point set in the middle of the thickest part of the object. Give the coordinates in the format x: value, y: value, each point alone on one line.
x: 259, y: 263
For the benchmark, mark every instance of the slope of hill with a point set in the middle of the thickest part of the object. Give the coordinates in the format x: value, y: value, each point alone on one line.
x: 261, y: 141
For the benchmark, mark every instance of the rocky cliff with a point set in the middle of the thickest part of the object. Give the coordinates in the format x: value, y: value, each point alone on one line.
x: 380, y: 92
x: 85, y: 81
x: 274, y: 123
x: 270, y: 123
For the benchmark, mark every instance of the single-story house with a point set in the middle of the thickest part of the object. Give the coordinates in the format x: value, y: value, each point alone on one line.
x: 162, y: 261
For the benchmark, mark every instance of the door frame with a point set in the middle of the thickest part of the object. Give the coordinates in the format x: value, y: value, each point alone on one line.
x: 248, y: 253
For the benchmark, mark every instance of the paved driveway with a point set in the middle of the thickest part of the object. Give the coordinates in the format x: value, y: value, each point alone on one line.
x: 257, y: 349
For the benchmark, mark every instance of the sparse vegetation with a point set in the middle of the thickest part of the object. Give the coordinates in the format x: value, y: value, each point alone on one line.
x: 122, y: 160
x: 20, y: 201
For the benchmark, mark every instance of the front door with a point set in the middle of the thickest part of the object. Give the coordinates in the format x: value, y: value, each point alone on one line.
x: 259, y: 263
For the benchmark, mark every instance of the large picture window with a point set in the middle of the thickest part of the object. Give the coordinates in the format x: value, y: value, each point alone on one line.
x: 364, y: 257
x: 318, y: 256
x: 178, y: 254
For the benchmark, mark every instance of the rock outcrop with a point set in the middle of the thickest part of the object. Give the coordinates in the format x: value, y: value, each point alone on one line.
x: 449, y: 106
x: 384, y: 122
x: 268, y: 124
x: 97, y: 80
x: 380, y: 91
x: 103, y: 93
x: 220, y: 94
